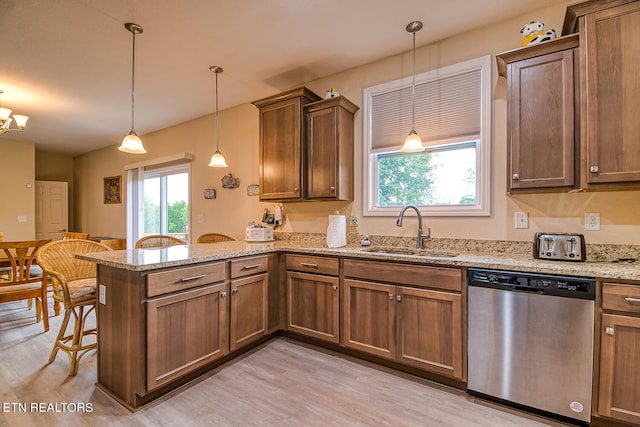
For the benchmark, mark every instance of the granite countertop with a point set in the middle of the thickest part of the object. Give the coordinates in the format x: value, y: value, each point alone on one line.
x: 152, y: 259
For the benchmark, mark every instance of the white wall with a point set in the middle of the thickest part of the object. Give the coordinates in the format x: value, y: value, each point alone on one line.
x: 17, y: 189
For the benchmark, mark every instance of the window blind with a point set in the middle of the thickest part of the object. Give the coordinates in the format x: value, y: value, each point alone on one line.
x: 446, y: 108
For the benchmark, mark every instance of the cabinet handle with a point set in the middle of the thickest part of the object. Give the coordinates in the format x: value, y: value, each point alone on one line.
x: 515, y: 176
x: 593, y: 169
x: 332, y: 188
x: 223, y: 294
x: 629, y: 299
x: 609, y: 330
x: 188, y: 279
x: 308, y: 264
x: 251, y: 266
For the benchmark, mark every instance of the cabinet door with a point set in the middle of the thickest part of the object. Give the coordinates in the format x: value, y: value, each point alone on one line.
x: 322, y: 137
x: 430, y: 331
x: 620, y: 368
x: 313, y: 305
x: 249, y: 302
x: 541, y: 121
x: 185, y: 331
x: 281, y: 150
x: 369, y: 311
x: 611, y: 56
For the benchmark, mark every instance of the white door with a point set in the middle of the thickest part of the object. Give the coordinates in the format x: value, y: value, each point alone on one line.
x: 52, y: 209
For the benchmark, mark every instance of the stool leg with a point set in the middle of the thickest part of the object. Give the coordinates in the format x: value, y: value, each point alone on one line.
x: 63, y: 328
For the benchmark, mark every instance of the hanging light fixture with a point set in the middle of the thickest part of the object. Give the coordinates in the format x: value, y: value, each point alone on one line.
x: 217, y: 160
x: 132, y: 143
x: 6, y: 119
x: 413, y: 142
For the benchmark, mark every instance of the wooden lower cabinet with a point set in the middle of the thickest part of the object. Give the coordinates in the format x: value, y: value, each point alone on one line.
x: 249, y: 310
x: 185, y: 331
x: 313, y: 296
x: 313, y: 305
x: 619, y: 386
x: 412, y: 325
x: 430, y: 331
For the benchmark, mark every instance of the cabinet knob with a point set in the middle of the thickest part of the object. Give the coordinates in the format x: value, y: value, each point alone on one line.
x: 335, y: 288
x: 223, y: 294
x: 515, y: 176
x: 593, y: 169
x: 295, y: 190
x: 399, y: 298
x: 391, y: 297
x: 332, y: 188
x: 609, y: 330
x: 234, y: 291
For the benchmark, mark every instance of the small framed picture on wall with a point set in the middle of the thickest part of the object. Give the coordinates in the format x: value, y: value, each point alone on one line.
x: 113, y: 189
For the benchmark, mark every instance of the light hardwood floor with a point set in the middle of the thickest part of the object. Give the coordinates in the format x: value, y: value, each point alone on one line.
x: 280, y: 383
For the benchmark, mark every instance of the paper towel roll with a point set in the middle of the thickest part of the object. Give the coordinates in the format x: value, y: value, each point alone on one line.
x: 337, y: 231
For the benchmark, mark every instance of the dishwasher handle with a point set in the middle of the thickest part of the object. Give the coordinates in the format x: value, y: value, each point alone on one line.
x: 527, y: 290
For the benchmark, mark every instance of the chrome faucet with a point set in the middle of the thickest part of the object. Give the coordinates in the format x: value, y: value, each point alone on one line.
x: 421, y: 236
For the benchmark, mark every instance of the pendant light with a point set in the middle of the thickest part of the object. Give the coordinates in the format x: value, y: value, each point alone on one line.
x: 413, y: 142
x: 132, y: 143
x: 217, y: 160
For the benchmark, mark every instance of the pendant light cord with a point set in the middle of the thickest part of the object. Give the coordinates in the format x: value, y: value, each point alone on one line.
x: 133, y: 79
x: 217, y: 131
x: 413, y: 85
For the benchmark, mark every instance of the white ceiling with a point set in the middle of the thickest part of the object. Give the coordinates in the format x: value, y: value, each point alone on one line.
x: 67, y: 63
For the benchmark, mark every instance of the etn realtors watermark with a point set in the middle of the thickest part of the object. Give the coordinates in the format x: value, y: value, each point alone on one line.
x: 58, y: 407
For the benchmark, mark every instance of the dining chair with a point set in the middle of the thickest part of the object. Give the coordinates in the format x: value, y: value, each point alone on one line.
x: 74, y: 285
x: 158, y: 241
x: 17, y: 281
x: 214, y: 238
x: 74, y: 235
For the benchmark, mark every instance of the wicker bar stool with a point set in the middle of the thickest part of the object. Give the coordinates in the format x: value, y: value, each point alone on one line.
x: 74, y: 285
x: 158, y: 241
x: 214, y: 238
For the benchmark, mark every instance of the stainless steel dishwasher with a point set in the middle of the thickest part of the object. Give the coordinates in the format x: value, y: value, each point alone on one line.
x: 531, y: 340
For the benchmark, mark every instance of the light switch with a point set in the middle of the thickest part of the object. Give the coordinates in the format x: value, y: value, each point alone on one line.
x: 522, y: 220
x: 22, y: 218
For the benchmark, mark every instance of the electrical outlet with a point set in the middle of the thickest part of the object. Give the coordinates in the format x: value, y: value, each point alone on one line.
x: 22, y: 218
x: 522, y: 220
x: 102, y: 294
x: 592, y: 221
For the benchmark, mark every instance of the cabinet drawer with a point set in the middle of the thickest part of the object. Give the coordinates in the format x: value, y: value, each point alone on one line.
x: 620, y: 297
x: 178, y: 279
x: 405, y: 274
x: 249, y: 266
x: 313, y: 264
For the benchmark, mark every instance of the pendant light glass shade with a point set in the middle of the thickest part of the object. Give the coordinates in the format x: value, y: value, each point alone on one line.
x: 413, y: 142
x: 217, y: 160
x: 132, y: 143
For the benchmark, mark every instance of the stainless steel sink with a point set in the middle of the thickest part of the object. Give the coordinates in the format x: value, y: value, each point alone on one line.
x: 387, y: 250
x: 409, y: 251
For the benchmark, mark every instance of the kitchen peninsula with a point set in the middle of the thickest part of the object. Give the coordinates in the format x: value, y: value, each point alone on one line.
x: 166, y: 316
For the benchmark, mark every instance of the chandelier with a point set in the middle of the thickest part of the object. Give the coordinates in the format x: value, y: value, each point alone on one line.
x: 6, y: 119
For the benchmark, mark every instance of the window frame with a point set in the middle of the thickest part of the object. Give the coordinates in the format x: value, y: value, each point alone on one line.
x: 482, y: 207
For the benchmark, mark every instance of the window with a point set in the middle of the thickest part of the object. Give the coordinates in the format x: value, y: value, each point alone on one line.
x: 166, y: 202
x: 451, y: 177
x: 158, y: 197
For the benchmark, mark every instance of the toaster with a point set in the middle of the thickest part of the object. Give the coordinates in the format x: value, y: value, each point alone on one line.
x: 560, y: 246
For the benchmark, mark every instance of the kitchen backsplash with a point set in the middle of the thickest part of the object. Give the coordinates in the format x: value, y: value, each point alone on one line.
x: 595, y: 252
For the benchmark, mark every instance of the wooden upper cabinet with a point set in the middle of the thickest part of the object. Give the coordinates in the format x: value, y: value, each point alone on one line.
x: 330, y: 149
x: 542, y: 119
x: 282, y: 144
x: 611, y: 57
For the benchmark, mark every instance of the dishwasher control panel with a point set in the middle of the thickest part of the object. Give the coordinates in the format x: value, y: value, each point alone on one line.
x: 567, y: 286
